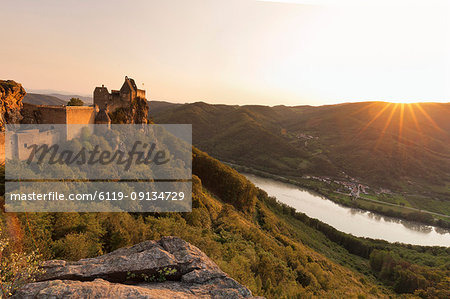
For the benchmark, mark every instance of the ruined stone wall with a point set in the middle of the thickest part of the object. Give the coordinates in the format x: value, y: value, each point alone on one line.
x: 118, y: 103
x: 19, y: 142
x: 31, y: 114
x: 80, y: 115
x: 101, y: 96
x: 127, y: 94
x: 43, y: 114
x: 52, y: 114
x: 114, y: 100
x: 140, y: 93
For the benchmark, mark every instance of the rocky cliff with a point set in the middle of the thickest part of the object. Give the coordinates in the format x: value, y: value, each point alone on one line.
x: 11, y: 95
x: 168, y: 268
x: 136, y: 113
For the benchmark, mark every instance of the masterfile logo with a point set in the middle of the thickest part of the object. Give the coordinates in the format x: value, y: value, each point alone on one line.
x: 97, y: 156
x: 89, y: 168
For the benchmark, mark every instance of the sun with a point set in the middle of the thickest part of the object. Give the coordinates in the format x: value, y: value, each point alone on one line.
x: 402, y: 101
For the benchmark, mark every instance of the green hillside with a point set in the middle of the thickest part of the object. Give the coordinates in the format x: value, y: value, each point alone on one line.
x: 403, y: 148
x: 269, y: 247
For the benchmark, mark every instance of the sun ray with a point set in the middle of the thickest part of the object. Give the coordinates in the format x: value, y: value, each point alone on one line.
x: 373, y: 119
x: 414, y: 117
x: 433, y: 123
x: 400, y: 121
x: 364, y: 108
x: 386, y: 125
x: 422, y: 138
x: 400, y: 132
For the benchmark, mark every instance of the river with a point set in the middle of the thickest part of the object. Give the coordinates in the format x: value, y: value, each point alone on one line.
x: 353, y: 221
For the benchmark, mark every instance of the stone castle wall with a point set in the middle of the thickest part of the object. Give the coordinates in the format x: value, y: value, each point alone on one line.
x: 80, y: 115
x: 19, y: 142
x: 140, y: 93
x: 45, y: 114
x: 72, y: 115
x: 101, y: 96
x: 114, y: 100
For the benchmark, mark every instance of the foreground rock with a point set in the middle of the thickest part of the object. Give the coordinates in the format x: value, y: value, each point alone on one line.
x: 168, y: 268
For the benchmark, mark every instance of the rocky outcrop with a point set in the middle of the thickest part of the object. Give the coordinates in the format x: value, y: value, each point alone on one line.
x: 168, y: 268
x: 135, y: 113
x: 139, y: 111
x: 11, y: 95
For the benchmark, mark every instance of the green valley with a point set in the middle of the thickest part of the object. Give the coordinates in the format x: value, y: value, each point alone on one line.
x: 398, y: 152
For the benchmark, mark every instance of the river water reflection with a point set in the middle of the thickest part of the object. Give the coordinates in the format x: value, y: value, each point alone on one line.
x: 354, y: 221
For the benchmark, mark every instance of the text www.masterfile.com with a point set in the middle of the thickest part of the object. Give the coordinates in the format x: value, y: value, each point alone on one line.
x: 98, y: 196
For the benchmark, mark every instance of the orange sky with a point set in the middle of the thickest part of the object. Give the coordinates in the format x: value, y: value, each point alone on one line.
x: 232, y: 51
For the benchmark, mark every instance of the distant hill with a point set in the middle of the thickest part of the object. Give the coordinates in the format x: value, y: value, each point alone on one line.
x: 43, y: 99
x: 156, y: 107
x: 406, y: 148
x: 65, y: 97
x: 53, y: 99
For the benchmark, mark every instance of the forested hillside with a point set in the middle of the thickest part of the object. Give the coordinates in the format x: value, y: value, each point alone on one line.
x: 401, y: 147
x: 264, y: 245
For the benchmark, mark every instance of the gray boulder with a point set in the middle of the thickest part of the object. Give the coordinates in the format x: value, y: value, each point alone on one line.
x: 168, y: 268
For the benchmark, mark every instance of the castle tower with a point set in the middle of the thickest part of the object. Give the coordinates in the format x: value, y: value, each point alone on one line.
x: 126, y: 99
x: 101, y: 96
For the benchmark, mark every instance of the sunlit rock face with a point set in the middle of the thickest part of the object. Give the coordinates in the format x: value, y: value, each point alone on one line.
x: 11, y: 95
x: 168, y: 268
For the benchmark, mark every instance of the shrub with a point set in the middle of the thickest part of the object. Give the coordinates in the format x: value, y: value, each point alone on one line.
x: 16, y: 268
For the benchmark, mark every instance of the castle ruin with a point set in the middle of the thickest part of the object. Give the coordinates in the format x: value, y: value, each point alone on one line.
x: 117, y: 99
x: 127, y: 105
x: 106, y: 103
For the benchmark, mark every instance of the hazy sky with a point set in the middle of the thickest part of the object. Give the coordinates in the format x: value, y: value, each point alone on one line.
x: 232, y: 51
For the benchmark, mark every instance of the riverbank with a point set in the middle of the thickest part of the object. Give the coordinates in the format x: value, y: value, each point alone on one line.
x: 366, y: 204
